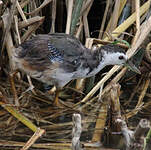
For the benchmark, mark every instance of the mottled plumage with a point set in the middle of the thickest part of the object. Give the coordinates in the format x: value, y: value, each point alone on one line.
x: 54, y: 55
x: 58, y: 58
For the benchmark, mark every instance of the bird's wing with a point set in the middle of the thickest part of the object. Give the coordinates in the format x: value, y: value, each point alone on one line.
x: 39, y: 53
x: 71, y: 48
x: 46, y: 51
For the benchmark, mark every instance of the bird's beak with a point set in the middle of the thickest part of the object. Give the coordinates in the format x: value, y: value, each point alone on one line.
x: 132, y: 67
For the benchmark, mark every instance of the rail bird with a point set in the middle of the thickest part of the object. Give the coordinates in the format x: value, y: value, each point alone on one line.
x: 59, y: 58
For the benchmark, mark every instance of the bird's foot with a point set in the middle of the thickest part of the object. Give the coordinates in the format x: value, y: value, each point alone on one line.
x: 31, y: 86
x: 57, y: 102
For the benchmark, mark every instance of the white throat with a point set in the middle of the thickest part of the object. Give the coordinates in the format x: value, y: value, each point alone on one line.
x: 107, y: 59
x: 112, y: 58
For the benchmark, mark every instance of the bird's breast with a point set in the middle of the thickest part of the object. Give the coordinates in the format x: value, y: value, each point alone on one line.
x: 62, y: 77
x: 96, y: 69
x: 81, y: 73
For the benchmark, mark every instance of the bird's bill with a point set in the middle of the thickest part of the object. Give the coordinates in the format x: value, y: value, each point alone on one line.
x: 132, y: 67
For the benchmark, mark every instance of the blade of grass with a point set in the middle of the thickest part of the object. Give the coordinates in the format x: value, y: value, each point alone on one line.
x: 18, y: 115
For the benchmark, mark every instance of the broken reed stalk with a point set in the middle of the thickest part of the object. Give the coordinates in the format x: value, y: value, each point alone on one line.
x: 141, y: 128
x: 10, y: 49
x: 126, y: 133
x: 76, y: 132
x: 134, y: 139
x: 140, y: 132
x: 143, y: 92
x: 137, y: 7
x: 14, y: 92
x: 100, y: 123
x: 102, y: 117
x: 115, y: 93
x: 45, y: 2
x: 32, y: 140
x: 80, y: 84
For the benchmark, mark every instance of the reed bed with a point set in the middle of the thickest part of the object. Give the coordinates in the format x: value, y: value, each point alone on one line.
x: 114, y: 106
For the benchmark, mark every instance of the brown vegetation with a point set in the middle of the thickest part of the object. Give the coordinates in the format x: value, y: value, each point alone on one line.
x: 111, y: 104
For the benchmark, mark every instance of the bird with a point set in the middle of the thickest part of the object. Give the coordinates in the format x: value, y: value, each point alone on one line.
x: 58, y: 58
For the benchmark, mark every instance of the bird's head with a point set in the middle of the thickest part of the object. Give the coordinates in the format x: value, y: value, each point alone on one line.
x: 114, y: 55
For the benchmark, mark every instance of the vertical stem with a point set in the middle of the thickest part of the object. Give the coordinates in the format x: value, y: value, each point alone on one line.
x: 13, y: 88
x: 20, y: 11
x: 147, y: 141
x: 104, y: 19
x: 76, y: 15
x: 115, y: 15
x: 85, y: 20
x: 53, y: 16
x: 68, y: 24
x: 76, y: 132
x: 137, y: 7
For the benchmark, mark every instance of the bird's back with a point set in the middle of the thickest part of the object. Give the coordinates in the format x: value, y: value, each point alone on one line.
x: 57, y: 55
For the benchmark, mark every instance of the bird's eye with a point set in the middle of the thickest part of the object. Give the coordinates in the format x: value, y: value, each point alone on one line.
x: 75, y: 61
x: 121, y: 57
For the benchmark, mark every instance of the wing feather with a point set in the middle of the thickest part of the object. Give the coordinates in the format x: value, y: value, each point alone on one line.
x: 43, y: 51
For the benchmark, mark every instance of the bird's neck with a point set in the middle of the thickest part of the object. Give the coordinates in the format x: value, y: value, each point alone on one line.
x: 96, y: 62
x: 101, y: 59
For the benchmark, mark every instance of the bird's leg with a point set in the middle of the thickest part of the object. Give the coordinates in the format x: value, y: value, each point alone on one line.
x: 31, y: 87
x: 56, y: 101
x: 13, y: 87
